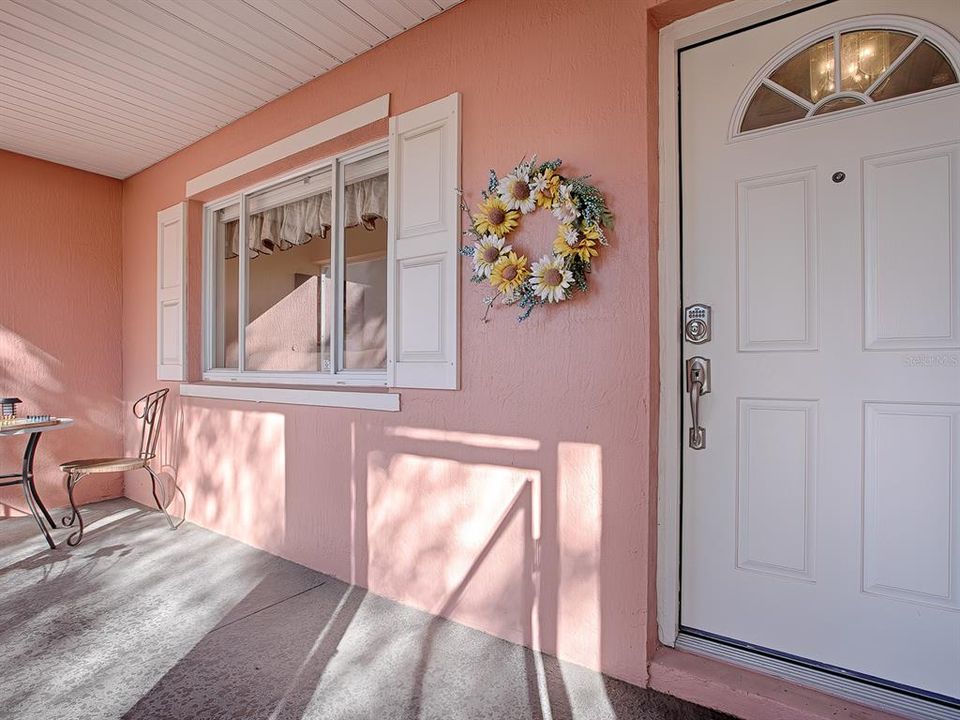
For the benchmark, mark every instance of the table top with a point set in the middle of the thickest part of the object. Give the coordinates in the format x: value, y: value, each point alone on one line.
x: 54, y: 424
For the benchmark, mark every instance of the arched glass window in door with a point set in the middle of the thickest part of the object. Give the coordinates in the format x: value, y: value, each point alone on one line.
x: 848, y: 69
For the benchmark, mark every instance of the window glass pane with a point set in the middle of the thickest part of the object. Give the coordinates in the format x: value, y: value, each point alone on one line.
x: 924, y: 69
x: 768, y: 108
x: 809, y: 73
x: 226, y: 286
x: 865, y: 54
x: 289, y: 297
x: 365, y: 269
x: 840, y: 103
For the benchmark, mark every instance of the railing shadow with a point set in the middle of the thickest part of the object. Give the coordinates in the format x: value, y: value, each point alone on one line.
x: 533, y: 505
x: 263, y: 664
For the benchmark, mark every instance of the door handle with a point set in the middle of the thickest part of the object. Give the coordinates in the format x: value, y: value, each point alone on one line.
x: 698, y: 385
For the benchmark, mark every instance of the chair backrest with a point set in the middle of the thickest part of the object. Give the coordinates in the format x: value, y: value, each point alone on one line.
x: 149, y: 409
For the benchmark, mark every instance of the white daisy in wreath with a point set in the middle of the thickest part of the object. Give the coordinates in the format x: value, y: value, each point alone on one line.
x: 550, y: 279
x: 486, y: 252
x: 538, y: 183
x: 515, y: 192
x: 569, y: 234
x: 566, y: 212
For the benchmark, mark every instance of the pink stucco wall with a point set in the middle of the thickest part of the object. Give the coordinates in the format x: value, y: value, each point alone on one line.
x: 60, y: 318
x: 520, y: 504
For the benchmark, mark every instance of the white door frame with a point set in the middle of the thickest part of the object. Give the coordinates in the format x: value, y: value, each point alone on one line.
x: 707, y: 25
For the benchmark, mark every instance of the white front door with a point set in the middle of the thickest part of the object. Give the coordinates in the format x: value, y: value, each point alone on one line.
x: 821, y: 520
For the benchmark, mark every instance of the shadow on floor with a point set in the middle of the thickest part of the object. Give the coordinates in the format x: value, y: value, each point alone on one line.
x: 130, y: 625
x: 337, y: 652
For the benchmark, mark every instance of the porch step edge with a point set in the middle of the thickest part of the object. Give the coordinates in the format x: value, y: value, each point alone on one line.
x: 748, y: 694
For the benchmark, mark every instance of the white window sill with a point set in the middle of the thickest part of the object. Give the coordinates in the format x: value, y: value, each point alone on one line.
x: 385, y: 401
x: 315, y: 380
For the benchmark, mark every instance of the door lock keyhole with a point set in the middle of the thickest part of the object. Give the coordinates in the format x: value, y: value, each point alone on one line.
x: 839, y: 176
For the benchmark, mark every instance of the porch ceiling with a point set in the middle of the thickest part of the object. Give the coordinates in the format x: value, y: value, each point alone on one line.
x: 113, y: 86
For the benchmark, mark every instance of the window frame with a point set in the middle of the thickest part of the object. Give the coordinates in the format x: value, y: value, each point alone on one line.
x: 940, y: 38
x: 337, y: 376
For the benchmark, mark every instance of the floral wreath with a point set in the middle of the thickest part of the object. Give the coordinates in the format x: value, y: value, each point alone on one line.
x: 583, y: 215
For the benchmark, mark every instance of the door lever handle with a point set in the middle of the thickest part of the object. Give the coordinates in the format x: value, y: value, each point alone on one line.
x: 698, y: 385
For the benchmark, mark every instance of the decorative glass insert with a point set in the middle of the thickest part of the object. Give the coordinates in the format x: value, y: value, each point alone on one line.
x: 808, y: 74
x: 847, y: 70
x: 770, y: 108
x: 844, y: 102
x: 926, y: 68
x: 866, y: 54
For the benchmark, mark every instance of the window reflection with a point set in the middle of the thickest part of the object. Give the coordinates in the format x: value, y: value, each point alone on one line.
x: 770, y: 108
x: 924, y: 69
x: 838, y: 103
x: 365, y: 266
x: 870, y: 65
x: 226, y: 284
x: 810, y: 73
x: 291, y: 277
x: 289, y: 299
x: 866, y: 54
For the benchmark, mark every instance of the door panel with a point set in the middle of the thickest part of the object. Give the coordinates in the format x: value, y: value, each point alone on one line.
x: 919, y: 442
x: 902, y: 275
x: 777, y: 272
x: 776, y: 481
x: 822, y: 520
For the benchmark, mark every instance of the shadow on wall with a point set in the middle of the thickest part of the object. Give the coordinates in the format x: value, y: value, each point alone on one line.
x: 37, y: 377
x: 499, y: 532
x: 235, y: 462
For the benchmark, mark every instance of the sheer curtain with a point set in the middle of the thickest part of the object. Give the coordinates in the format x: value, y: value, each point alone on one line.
x: 298, y: 222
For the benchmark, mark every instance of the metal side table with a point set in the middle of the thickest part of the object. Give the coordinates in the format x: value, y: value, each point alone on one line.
x: 25, y: 477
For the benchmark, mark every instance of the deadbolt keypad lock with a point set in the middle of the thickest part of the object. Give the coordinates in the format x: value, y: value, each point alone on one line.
x: 696, y: 324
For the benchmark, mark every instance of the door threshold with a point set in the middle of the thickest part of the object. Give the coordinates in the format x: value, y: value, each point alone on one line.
x: 909, y: 702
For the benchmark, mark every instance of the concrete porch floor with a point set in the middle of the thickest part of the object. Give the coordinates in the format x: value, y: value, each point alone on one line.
x: 139, y: 622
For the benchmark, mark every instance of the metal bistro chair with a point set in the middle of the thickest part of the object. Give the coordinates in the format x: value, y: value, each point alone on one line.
x: 149, y: 409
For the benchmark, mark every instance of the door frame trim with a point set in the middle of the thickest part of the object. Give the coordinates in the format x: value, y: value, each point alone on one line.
x: 705, y: 26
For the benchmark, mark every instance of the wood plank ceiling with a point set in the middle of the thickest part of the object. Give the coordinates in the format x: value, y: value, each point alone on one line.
x: 113, y: 86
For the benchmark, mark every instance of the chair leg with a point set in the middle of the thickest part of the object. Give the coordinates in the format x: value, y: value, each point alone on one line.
x: 65, y: 521
x: 77, y: 535
x: 161, y: 505
x: 177, y: 489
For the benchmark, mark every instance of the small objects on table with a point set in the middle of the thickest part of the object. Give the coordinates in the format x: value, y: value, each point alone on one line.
x: 10, y: 421
x: 29, y: 421
x: 8, y: 407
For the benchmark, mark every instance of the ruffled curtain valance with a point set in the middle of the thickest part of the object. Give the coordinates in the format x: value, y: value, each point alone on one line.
x: 297, y: 223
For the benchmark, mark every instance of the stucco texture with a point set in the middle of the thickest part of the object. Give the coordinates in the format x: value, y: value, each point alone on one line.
x: 522, y: 504
x: 60, y: 349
